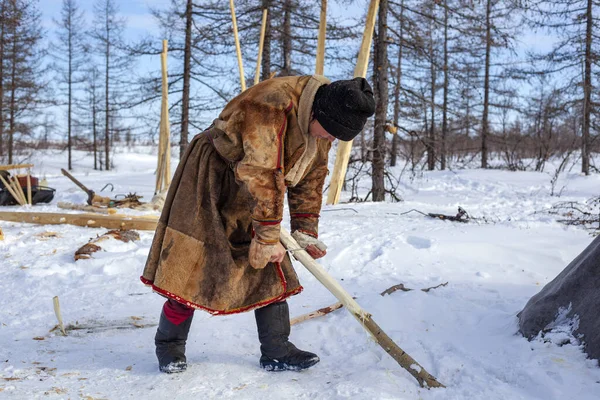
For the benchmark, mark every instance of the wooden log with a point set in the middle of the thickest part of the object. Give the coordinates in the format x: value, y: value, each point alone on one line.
x: 261, y: 43
x: 85, y: 207
x: 344, y: 148
x: 145, y: 223
x: 29, y: 201
x: 320, y: 63
x: 10, y: 189
x: 424, y: 378
x: 318, y: 313
x: 14, y: 166
x: 1, y: 234
x: 238, y: 49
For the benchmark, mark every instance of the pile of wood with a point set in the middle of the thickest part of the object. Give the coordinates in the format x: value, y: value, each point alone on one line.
x: 22, y: 189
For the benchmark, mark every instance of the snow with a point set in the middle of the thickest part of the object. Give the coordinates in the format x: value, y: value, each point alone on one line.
x: 464, y: 333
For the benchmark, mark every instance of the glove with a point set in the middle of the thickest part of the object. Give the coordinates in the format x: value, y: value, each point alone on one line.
x: 260, y: 253
x: 309, y: 243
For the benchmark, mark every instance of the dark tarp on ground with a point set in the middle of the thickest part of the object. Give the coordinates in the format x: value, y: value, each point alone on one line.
x: 577, y: 287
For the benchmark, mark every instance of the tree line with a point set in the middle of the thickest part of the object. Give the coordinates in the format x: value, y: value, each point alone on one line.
x: 455, y: 84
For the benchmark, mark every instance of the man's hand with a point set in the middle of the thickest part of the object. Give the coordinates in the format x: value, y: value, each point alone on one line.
x: 261, y: 254
x: 278, y: 253
x: 315, y: 252
x: 313, y: 246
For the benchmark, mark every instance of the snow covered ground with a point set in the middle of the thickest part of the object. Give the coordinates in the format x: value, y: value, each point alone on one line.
x: 464, y: 333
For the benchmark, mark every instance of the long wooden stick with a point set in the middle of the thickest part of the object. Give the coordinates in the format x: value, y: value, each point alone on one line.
x: 261, y: 44
x: 166, y: 125
x: 318, y: 313
x: 29, y: 187
x: 1, y: 234
x: 14, y: 166
x: 59, y: 315
x: 147, y: 223
x: 344, y: 148
x: 320, y: 63
x: 424, y: 378
x: 21, y: 191
x: 10, y: 189
x: 238, y: 49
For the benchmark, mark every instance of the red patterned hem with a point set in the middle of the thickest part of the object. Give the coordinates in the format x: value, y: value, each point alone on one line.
x: 239, y: 310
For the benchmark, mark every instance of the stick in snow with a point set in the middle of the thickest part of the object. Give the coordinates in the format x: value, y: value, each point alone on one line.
x: 401, y: 286
x: 424, y: 378
x: 318, y: 313
x: 59, y: 315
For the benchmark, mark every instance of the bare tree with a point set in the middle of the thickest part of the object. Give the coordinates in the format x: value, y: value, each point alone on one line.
x: 70, y: 55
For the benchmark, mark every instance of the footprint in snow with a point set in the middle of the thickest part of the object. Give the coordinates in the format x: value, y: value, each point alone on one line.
x: 418, y: 242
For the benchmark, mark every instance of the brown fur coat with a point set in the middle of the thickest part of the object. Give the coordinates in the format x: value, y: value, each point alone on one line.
x: 230, y: 185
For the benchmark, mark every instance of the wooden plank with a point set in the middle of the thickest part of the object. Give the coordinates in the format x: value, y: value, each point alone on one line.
x: 14, y: 166
x: 320, y: 63
x: 29, y: 187
x: 424, y: 378
x: 147, y: 223
x: 344, y: 148
x: 10, y: 189
x: 238, y: 49
x: 261, y: 44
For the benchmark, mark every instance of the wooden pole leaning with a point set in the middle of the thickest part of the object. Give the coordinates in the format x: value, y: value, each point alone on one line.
x: 163, y: 170
x: 320, y: 63
x: 29, y: 201
x: 238, y: 49
x: 10, y: 189
x: 424, y: 378
x: 344, y: 148
x: 19, y: 190
x: 261, y: 45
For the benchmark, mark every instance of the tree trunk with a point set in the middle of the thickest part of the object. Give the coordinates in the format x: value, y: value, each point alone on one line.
x: 107, y: 101
x: 380, y: 67
x: 445, y: 104
x: 431, y: 140
x: 486, y: 86
x: 266, y: 55
x: 94, y: 123
x: 13, y: 89
x: 185, y: 98
x: 2, y: 35
x: 287, y: 38
x: 69, y: 84
x: 396, y: 137
x: 587, y: 92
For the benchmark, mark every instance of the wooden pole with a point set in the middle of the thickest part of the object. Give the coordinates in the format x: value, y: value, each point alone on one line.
x: 166, y: 124
x: 238, y: 49
x: 61, y: 326
x: 10, y: 189
x: 1, y: 234
x: 320, y: 63
x: 146, y: 223
x: 29, y: 187
x: 344, y: 148
x: 19, y: 190
x: 261, y: 44
x: 320, y: 312
x: 424, y: 378
x: 15, y: 166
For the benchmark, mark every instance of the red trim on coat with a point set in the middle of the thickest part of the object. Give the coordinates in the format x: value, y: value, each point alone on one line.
x: 188, y: 303
x: 305, y: 215
x: 280, y: 136
x: 309, y: 233
x: 273, y: 222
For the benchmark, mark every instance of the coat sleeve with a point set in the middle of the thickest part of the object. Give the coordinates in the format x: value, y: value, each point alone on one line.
x: 306, y: 197
x: 261, y: 168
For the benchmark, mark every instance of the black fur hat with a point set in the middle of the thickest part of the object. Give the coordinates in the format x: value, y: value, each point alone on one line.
x: 343, y: 107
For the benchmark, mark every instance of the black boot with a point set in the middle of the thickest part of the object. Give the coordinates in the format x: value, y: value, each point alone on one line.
x: 278, y: 354
x: 170, y: 344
